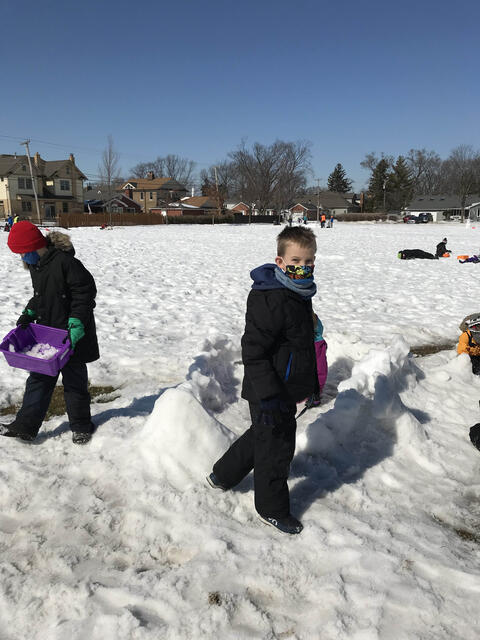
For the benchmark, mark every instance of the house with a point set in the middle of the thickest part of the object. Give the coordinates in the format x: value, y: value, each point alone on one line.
x: 204, y: 202
x: 180, y: 209
x: 237, y: 207
x: 150, y: 192
x: 304, y: 208
x: 58, y: 183
x: 442, y: 206
x: 330, y: 202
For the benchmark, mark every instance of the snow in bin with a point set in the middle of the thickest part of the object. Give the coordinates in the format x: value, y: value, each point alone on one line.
x: 41, y: 350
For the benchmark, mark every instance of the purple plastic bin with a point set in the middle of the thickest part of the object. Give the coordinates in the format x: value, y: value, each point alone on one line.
x: 27, y: 338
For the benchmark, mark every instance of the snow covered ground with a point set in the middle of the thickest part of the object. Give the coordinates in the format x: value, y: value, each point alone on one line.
x: 122, y: 539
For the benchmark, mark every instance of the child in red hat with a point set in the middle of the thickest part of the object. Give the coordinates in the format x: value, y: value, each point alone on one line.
x: 64, y: 298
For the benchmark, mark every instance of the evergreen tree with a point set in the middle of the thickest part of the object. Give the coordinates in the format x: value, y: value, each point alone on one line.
x: 400, y: 185
x: 378, y: 183
x: 338, y: 181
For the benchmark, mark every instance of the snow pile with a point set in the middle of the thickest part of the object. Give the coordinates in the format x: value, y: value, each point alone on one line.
x: 179, y: 438
x: 41, y: 350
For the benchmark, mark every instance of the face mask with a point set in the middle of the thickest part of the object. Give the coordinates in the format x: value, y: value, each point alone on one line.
x: 31, y: 257
x: 299, y: 272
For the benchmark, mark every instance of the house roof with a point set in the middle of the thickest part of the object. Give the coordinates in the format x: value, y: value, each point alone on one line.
x: 201, y: 201
x: 307, y: 205
x: 440, y: 202
x: 144, y: 184
x: 327, y: 200
x: 8, y: 164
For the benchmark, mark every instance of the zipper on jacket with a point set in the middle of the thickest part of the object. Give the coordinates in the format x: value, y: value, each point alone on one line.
x: 289, y: 366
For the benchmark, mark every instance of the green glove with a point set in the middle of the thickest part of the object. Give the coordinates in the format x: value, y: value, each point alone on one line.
x: 76, y: 330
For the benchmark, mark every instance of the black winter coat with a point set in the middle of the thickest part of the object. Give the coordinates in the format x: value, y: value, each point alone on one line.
x: 63, y: 289
x: 278, y: 349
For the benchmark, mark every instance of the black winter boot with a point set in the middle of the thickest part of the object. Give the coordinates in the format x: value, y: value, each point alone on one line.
x: 475, y: 435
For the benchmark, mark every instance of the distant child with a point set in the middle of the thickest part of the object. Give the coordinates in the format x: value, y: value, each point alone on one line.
x: 469, y: 341
x: 278, y: 353
x: 64, y: 298
x: 442, y: 249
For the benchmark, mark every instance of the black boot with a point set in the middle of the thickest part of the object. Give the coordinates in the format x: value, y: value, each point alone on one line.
x: 475, y: 435
x: 8, y: 432
x: 78, y: 437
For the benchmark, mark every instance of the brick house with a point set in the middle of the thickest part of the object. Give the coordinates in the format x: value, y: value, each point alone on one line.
x: 151, y: 193
x: 58, y: 183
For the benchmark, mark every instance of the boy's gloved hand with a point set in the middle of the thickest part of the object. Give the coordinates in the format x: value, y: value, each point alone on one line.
x: 28, y: 316
x: 272, y: 410
x: 76, y: 330
x: 314, y: 400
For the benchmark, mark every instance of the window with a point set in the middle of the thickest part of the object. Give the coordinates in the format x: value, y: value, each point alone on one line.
x: 65, y: 207
x: 64, y: 185
x: 26, y: 205
x: 68, y: 171
x: 141, y: 195
x: 24, y: 183
x: 151, y: 195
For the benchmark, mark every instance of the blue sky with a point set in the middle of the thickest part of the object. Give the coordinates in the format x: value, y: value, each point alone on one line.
x: 195, y: 78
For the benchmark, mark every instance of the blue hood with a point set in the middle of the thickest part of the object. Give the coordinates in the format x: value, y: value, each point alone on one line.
x: 264, y: 278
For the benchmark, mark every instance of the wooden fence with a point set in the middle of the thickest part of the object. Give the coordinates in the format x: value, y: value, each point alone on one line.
x: 67, y: 220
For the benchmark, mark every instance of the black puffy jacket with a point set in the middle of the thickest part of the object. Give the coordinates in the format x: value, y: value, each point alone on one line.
x: 63, y: 289
x: 278, y: 349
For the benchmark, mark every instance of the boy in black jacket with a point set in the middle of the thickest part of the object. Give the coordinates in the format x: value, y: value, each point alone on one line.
x: 280, y: 370
x: 64, y: 298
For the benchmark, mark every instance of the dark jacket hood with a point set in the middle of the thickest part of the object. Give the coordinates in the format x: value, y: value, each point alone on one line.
x: 264, y: 278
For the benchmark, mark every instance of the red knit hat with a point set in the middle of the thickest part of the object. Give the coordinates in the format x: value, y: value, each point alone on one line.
x: 25, y: 237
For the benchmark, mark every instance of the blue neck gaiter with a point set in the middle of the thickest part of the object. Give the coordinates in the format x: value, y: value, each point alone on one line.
x: 31, y: 257
x: 305, y: 288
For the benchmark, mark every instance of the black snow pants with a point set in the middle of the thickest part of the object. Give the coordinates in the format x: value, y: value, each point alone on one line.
x: 475, y: 360
x: 268, y: 450
x: 38, y: 393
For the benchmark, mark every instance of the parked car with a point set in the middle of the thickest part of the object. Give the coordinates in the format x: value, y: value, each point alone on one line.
x: 410, y: 218
x: 424, y: 217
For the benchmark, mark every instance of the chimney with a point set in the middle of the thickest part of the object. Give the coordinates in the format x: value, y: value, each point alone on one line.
x: 193, y: 192
x: 36, y: 159
x: 150, y: 175
x: 72, y: 158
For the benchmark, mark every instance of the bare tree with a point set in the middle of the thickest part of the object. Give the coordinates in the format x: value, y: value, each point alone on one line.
x: 461, y: 172
x: 109, y: 170
x: 425, y: 167
x: 272, y: 175
x: 171, y: 166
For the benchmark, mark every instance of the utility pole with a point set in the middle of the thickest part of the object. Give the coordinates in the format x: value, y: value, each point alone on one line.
x: 218, y: 195
x: 318, y: 199
x: 26, y: 143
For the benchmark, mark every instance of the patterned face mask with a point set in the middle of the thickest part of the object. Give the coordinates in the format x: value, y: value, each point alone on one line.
x: 299, y: 272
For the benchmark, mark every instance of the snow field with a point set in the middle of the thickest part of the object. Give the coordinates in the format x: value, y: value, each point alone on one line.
x: 122, y: 538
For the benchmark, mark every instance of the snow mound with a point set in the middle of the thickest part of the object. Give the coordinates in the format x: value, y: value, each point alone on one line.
x: 368, y: 411
x: 180, y: 439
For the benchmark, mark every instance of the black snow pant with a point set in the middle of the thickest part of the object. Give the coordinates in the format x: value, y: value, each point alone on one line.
x: 268, y: 450
x: 475, y: 360
x: 38, y: 393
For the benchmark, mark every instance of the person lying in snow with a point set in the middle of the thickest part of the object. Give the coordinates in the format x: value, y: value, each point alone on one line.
x: 412, y: 254
x: 473, y: 258
x: 469, y: 341
x: 64, y: 298
x: 278, y: 353
x: 442, y: 249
